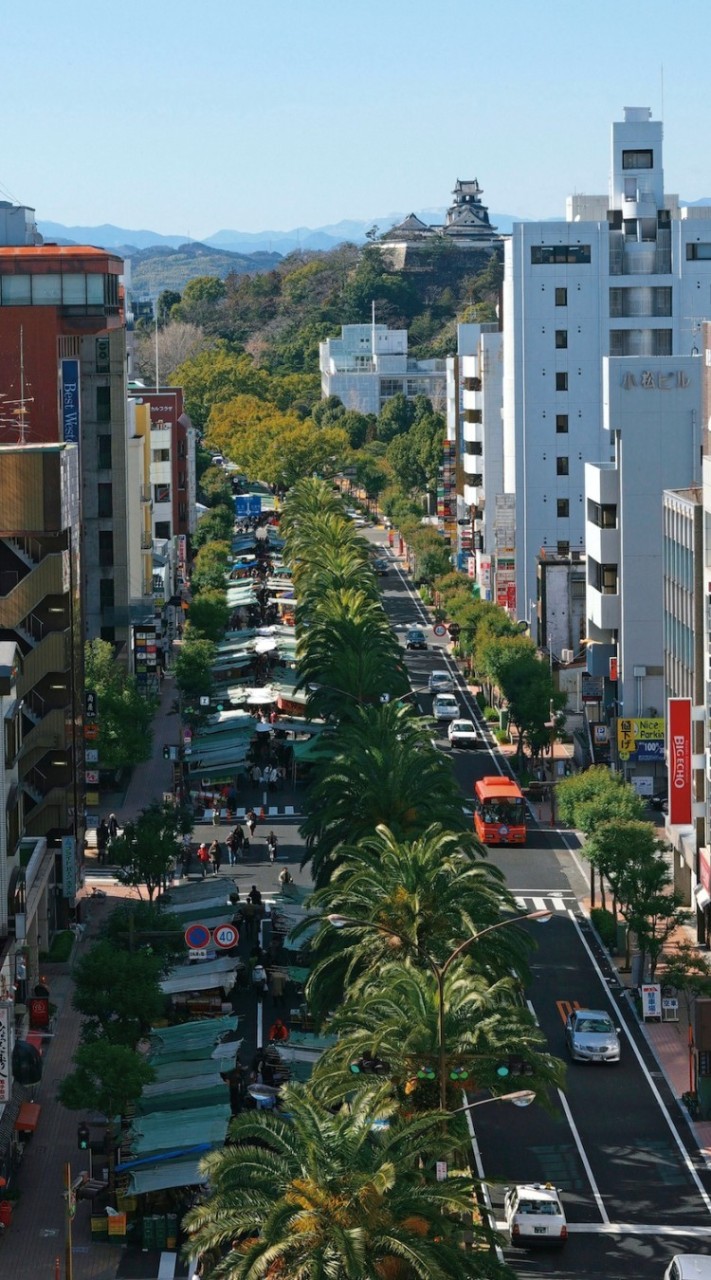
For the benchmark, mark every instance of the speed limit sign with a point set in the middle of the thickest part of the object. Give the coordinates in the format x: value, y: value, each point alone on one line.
x: 225, y: 936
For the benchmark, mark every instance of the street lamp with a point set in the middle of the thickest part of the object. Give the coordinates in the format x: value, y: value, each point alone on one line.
x: 440, y: 971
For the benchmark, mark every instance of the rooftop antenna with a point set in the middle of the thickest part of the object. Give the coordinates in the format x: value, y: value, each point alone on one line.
x: 157, y: 383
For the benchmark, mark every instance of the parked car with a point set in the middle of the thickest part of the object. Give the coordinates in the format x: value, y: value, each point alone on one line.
x: 591, y: 1036
x: 415, y: 639
x: 463, y: 733
x: 440, y: 682
x: 445, y: 707
x: 534, y: 1215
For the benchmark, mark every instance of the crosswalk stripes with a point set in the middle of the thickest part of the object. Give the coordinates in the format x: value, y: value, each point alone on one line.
x: 546, y: 902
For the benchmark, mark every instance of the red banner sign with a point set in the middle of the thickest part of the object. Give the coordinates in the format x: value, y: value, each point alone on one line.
x: 679, y: 748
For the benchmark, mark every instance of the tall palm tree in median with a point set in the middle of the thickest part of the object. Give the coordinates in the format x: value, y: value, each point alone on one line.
x: 351, y: 1196
x: 382, y: 770
x: 491, y: 1041
x: 407, y: 899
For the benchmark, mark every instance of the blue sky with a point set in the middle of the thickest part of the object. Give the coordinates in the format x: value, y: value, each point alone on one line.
x: 194, y: 117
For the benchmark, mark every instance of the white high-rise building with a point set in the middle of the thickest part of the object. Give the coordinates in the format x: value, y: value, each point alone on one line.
x: 626, y: 275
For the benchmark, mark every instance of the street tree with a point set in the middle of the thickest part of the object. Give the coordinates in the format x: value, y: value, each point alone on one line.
x: 149, y: 846
x: 210, y: 567
x: 134, y: 924
x: 689, y: 973
x: 590, y: 799
x: 208, y: 615
x: 217, y: 525
x: 117, y: 994
x: 125, y: 716
x: 651, y: 907
x: 514, y: 667
x: 315, y: 1194
x: 176, y: 342
x: 107, y: 1078
x: 193, y: 667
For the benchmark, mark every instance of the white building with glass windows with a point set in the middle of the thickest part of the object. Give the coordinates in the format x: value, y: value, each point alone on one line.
x: 369, y: 364
x: 624, y: 275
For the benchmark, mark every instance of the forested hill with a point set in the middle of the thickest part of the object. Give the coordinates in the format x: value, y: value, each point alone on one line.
x: 162, y: 267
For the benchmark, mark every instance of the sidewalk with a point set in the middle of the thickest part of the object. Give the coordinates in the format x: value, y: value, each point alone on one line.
x: 35, y: 1241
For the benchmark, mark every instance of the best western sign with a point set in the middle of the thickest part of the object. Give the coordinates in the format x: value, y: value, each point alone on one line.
x: 679, y: 752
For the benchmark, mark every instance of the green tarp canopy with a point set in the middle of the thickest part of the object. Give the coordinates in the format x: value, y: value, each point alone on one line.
x: 163, y: 1176
x: 160, y: 1130
x: 175, y: 1095
x: 310, y: 751
x: 166, y: 1071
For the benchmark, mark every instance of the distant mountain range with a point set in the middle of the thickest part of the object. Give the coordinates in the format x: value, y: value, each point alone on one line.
x: 247, y: 242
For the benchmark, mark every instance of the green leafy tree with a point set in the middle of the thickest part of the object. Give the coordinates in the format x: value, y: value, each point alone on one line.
x: 319, y: 1195
x: 118, y: 994
x: 597, y: 796
x: 208, y: 615
x: 648, y: 902
x: 216, y: 490
x: 513, y: 665
x: 217, y: 376
x: 198, y: 302
x: 107, y: 1077
x: 167, y: 299
x: 689, y: 973
x: 125, y: 717
x: 148, y: 848
x: 136, y: 924
x: 210, y: 567
x: 395, y: 418
x: 193, y: 668
x: 216, y: 525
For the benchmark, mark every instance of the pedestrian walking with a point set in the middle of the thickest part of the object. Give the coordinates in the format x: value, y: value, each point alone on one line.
x: 255, y: 896
x: 102, y: 839
x: 278, y: 1032
x: 249, y: 915
x: 272, y: 843
x: 285, y: 877
x: 215, y: 856
x: 260, y: 982
x: 277, y: 985
x: 252, y: 821
x: 203, y: 858
x: 113, y: 826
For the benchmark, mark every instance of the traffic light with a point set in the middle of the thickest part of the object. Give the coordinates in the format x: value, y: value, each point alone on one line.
x: 368, y: 1066
x: 514, y: 1067
x: 166, y: 753
x: 426, y: 1073
x: 83, y: 1137
x: 459, y: 1073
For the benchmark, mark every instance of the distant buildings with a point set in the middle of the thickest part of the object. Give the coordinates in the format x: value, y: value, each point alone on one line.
x: 369, y: 364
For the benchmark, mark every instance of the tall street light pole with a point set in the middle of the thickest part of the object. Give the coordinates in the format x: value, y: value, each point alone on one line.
x: 440, y: 971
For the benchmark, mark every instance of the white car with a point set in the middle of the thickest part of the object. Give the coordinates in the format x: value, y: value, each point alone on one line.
x: 445, y: 707
x: 591, y: 1036
x: 689, y: 1266
x: 463, y: 733
x: 534, y: 1215
x: 440, y: 682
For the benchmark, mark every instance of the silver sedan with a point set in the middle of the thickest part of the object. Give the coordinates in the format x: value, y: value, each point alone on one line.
x: 591, y: 1036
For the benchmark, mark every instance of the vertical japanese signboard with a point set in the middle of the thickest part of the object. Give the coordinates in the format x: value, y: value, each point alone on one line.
x: 7, y: 1013
x: 69, y: 867
x: 679, y: 750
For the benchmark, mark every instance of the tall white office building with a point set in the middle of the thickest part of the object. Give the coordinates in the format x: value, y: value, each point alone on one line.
x: 623, y: 275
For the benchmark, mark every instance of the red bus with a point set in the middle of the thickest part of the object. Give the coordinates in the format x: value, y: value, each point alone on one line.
x: 499, y: 811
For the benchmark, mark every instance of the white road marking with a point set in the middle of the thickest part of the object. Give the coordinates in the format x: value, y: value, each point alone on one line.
x: 581, y: 1152
x: 627, y: 1229
x: 675, y: 1134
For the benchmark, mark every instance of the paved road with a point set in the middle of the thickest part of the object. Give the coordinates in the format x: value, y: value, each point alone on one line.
x: 634, y: 1186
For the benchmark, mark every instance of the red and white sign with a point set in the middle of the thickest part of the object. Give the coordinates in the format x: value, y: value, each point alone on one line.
x: 679, y: 755
x: 225, y: 936
x: 613, y: 669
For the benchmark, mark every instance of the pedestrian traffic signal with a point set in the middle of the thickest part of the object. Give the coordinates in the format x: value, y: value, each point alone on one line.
x: 83, y: 1137
x: 368, y: 1066
x: 166, y: 753
x: 426, y: 1073
x: 459, y: 1073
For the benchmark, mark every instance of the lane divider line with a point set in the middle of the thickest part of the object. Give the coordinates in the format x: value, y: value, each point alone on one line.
x: 586, y: 1163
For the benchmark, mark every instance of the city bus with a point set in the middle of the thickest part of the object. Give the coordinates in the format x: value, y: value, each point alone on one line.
x: 499, y: 811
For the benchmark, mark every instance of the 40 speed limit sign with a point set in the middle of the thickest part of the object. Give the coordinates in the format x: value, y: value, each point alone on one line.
x: 225, y: 936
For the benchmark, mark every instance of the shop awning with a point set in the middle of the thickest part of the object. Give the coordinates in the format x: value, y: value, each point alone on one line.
x: 28, y: 1117
x: 161, y: 1177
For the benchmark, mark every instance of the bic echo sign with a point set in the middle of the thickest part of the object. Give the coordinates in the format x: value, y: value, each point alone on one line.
x: 679, y: 744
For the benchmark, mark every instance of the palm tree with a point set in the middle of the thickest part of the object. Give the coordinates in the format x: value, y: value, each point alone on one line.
x: 425, y: 894
x: 350, y: 647
x: 351, y: 1196
x: 382, y: 770
x: 489, y: 1036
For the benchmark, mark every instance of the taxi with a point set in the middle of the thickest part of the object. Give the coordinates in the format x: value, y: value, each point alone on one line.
x: 534, y: 1215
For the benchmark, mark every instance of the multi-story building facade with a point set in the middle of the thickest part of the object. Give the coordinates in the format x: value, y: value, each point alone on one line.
x: 369, y: 364
x: 625, y: 275
x: 63, y: 377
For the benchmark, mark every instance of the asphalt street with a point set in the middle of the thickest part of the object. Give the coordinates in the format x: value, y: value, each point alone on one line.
x: 633, y: 1185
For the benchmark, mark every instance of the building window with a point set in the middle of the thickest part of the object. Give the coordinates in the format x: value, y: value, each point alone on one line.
x: 548, y: 254
x: 698, y: 252
x: 561, y: 297
x: 160, y: 455
x: 106, y: 501
x: 108, y: 634
x: 602, y: 515
x: 181, y: 479
x: 390, y: 387
x: 103, y: 404
x: 561, y: 423
x: 162, y: 530
x: 561, y: 382
x: 161, y: 493
x: 103, y: 449
x: 561, y: 338
x: 638, y: 159
x: 603, y: 578
x: 563, y: 548
x: 106, y: 593
x: 563, y: 508
x: 106, y: 548
x: 561, y: 466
